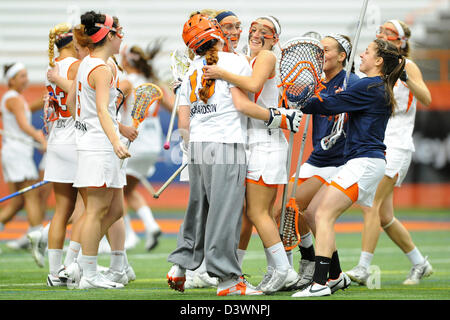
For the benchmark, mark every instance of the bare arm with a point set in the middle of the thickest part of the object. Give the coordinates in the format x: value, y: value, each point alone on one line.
x: 247, y: 107
x: 263, y: 69
x: 71, y: 99
x: 417, y: 85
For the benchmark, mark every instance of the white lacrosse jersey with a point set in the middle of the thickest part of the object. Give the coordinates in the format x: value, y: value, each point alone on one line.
x: 11, y: 127
x: 267, y: 97
x: 89, y: 132
x: 218, y: 120
x: 63, y: 128
x: 400, y: 126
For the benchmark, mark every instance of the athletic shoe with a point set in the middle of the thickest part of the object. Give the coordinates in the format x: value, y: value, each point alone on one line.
x: 305, y: 274
x: 38, y: 247
x: 313, y: 290
x: 203, y: 280
x: 342, y: 282
x: 99, y: 281
x: 73, y: 274
x: 358, y: 274
x: 418, y: 272
x: 266, y: 278
x: 176, y: 277
x: 131, y: 241
x: 237, y: 286
x: 116, y: 276
x: 101, y: 268
x: 291, y: 280
x: 53, y: 281
x: 151, y: 239
x: 130, y: 273
x: 19, y: 244
x: 276, y: 282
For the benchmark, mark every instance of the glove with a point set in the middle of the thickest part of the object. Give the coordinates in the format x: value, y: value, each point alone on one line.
x: 404, y: 76
x: 176, y: 84
x: 285, y: 119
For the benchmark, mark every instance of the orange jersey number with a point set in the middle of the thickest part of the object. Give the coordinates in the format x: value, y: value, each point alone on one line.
x: 193, y: 81
x: 78, y: 98
x: 61, y: 96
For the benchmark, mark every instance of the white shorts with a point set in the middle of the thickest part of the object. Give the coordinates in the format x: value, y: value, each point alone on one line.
x: 141, y: 166
x: 18, y: 168
x: 397, y: 162
x: 98, y: 169
x: 359, y: 179
x: 308, y: 170
x: 268, y: 161
x: 61, y: 163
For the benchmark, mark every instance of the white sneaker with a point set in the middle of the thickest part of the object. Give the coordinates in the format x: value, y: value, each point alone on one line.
x: 203, y: 280
x: 101, y: 268
x: 151, y: 239
x: 99, y: 281
x: 176, y: 277
x: 266, y: 278
x: 358, y: 274
x: 276, y: 282
x: 116, y: 276
x: 130, y: 273
x: 19, y: 244
x: 313, y: 290
x: 38, y: 247
x: 418, y: 272
x: 342, y: 282
x: 291, y: 280
x: 236, y: 287
x: 305, y: 274
x: 73, y: 274
x: 53, y: 281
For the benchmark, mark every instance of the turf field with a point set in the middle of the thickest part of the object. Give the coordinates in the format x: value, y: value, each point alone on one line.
x: 21, y: 279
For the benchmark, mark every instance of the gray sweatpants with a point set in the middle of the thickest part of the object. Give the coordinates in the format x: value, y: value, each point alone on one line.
x: 212, y: 223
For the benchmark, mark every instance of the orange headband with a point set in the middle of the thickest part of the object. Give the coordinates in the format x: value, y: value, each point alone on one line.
x: 104, y: 29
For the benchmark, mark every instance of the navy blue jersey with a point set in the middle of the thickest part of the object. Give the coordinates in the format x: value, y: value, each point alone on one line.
x: 322, y: 125
x: 368, y: 113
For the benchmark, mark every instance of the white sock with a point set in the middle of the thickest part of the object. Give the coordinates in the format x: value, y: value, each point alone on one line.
x: 278, y: 256
x: 88, y: 265
x: 241, y: 254
x: 306, y: 240
x: 38, y: 227
x: 117, y: 261
x: 365, y: 259
x: 54, y: 260
x: 146, y: 215
x: 45, y: 230
x: 72, y: 252
x: 125, y: 258
x: 290, y: 257
x: 269, y: 258
x: 415, y: 256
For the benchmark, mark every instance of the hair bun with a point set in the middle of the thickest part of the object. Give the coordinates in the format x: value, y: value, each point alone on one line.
x: 88, y: 19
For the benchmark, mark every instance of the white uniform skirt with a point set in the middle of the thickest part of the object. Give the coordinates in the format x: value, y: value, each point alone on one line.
x: 397, y: 162
x: 98, y: 169
x: 308, y: 170
x: 18, y: 168
x: 61, y: 163
x: 268, y: 161
x: 366, y: 172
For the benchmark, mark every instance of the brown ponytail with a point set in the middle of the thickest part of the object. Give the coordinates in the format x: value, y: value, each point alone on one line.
x: 207, y: 91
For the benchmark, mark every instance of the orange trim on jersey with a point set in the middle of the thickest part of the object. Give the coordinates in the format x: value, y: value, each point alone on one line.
x: 351, y: 192
x: 90, y: 74
x: 261, y: 182
x: 410, y: 100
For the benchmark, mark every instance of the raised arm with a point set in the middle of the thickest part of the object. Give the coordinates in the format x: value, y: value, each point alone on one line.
x: 416, y: 84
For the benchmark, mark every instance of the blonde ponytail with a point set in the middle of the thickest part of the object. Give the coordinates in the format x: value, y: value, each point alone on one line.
x: 54, y: 32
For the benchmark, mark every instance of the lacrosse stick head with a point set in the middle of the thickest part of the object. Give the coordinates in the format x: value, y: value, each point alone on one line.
x: 145, y: 95
x: 290, y: 235
x: 300, y: 69
x: 179, y: 63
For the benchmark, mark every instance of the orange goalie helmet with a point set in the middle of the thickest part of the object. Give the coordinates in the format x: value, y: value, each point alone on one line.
x: 200, y: 29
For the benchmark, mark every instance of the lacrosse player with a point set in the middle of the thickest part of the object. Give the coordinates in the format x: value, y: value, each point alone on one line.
x: 266, y: 146
x: 369, y: 103
x: 19, y: 169
x: 399, y: 148
x: 212, y: 120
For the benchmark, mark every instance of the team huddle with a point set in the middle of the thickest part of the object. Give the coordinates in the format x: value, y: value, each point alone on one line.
x: 231, y: 123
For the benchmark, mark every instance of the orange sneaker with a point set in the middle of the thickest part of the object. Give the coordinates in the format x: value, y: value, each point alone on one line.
x: 237, y: 287
x: 176, y: 277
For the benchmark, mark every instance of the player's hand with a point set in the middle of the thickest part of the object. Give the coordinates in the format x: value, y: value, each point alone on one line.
x: 212, y: 72
x: 129, y: 132
x: 285, y: 119
x: 53, y: 73
x: 121, y: 150
x: 175, y: 85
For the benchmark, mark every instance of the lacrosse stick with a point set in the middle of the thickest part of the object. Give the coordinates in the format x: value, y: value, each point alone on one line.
x: 169, y: 181
x: 179, y: 65
x: 300, y: 70
x: 329, y: 141
x: 145, y: 95
x: 26, y: 189
x: 35, y: 144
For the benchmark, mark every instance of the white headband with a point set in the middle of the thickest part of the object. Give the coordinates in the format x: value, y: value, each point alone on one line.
x: 13, y: 70
x: 274, y: 22
x: 401, y: 32
x: 343, y: 42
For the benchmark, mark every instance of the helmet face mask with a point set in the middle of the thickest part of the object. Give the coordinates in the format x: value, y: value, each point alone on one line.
x: 200, y: 29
